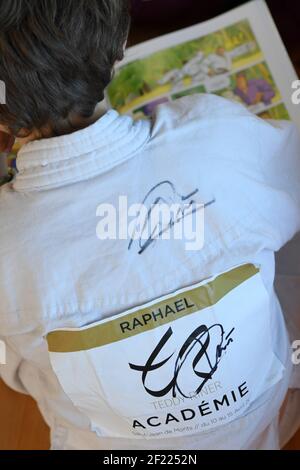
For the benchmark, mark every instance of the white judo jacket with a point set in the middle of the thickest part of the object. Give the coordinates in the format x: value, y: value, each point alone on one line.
x: 141, y: 343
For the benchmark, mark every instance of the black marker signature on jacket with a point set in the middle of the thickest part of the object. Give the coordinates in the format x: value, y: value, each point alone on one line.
x: 165, y: 193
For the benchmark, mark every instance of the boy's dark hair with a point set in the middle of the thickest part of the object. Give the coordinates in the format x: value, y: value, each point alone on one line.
x: 56, y: 57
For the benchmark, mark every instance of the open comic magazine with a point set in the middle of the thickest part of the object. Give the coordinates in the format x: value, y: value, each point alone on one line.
x: 238, y: 55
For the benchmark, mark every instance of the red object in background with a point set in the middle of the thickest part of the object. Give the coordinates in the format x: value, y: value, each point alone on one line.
x: 158, y: 10
x: 164, y: 11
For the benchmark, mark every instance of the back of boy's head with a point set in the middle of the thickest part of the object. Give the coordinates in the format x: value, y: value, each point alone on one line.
x: 56, y: 58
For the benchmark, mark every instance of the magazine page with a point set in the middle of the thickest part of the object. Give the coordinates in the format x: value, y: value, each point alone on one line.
x: 238, y: 55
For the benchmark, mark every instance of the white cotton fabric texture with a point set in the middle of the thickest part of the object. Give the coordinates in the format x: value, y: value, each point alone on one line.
x: 55, y: 273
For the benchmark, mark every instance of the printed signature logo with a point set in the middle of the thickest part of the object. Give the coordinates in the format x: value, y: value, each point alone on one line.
x: 198, y: 359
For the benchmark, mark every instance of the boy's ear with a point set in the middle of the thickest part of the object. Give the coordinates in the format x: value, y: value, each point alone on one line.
x: 6, y: 142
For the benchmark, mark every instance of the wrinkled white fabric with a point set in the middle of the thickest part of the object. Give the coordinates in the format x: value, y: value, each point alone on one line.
x: 55, y: 272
